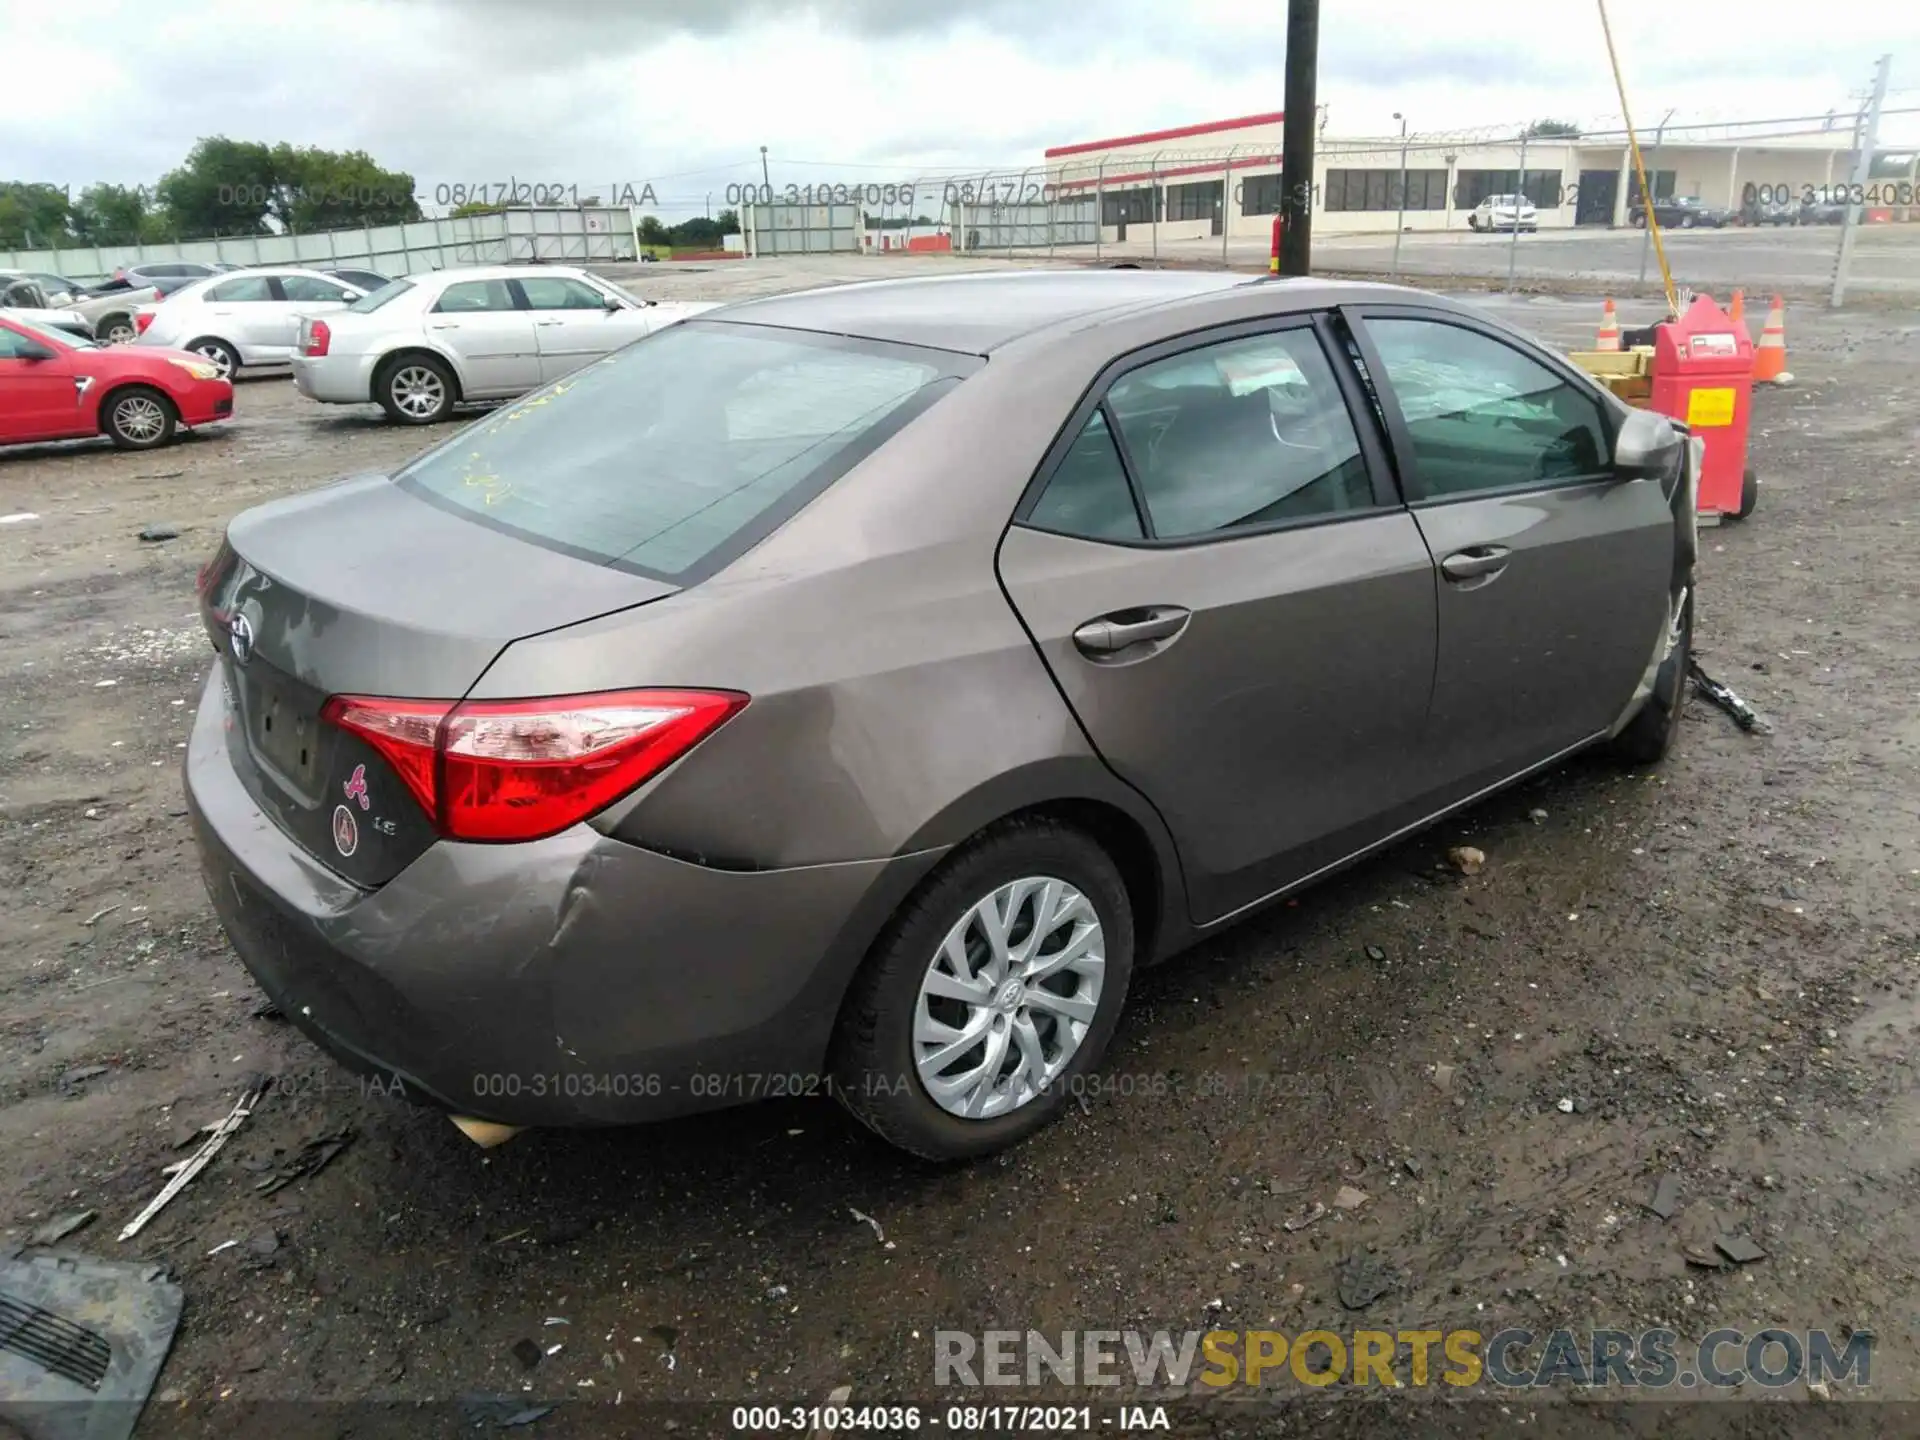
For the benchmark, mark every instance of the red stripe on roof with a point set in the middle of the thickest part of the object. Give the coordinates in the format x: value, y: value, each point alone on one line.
x: 1147, y: 137
x: 1213, y: 167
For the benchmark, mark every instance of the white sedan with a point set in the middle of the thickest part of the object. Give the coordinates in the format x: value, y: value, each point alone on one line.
x: 242, y: 320
x: 421, y: 345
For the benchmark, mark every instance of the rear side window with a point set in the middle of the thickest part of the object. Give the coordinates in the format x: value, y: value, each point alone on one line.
x: 1243, y: 433
x: 245, y: 287
x: 1089, y: 495
x: 374, y: 299
x: 471, y: 295
x: 673, y: 454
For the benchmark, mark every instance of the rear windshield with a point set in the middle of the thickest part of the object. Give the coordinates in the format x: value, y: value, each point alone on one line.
x: 677, y: 453
x: 374, y: 299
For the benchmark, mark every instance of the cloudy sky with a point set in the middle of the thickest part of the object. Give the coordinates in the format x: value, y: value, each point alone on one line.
x: 683, y: 93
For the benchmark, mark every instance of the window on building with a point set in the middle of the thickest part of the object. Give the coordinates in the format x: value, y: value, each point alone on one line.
x: 1127, y: 207
x: 1259, y: 194
x: 1542, y: 187
x: 1193, y: 202
x: 1380, y: 189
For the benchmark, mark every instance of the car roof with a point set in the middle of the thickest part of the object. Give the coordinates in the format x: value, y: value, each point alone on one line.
x: 497, y: 272
x: 976, y: 314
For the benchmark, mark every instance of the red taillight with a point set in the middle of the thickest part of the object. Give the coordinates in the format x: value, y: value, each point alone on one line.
x: 141, y: 320
x: 526, y: 769
x: 318, y: 335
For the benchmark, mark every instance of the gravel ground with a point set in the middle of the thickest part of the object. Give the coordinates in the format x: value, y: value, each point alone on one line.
x: 1714, y: 963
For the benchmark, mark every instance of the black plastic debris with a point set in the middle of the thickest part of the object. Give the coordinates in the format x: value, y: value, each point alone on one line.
x: 527, y: 1353
x: 309, y: 1159
x: 1744, y: 715
x: 1666, y: 1197
x: 81, y: 1342
x: 61, y: 1226
x: 500, y: 1412
x: 1739, y: 1249
x: 159, y: 531
x: 1363, y: 1280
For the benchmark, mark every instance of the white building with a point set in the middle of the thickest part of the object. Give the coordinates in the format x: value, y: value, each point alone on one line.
x: 1224, y: 175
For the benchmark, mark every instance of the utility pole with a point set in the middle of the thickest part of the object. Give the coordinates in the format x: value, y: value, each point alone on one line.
x: 764, y: 180
x: 1296, y: 142
x: 1519, y: 199
x: 1869, y: 133
x: 1401, y: 224
x: 1647, y: 200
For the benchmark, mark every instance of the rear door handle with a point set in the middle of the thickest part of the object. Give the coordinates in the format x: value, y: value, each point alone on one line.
x: 1473, y: 563
x: 1117, y: 631
x: 549, y: 322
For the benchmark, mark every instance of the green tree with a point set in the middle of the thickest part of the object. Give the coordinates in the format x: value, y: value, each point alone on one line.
x: 1553, y: 130
x: 33, y: 216
x: 331, y: 190
x: 652, y: 232
x: 114, y: 215
x: 223, y: 187
x: 474, y: 207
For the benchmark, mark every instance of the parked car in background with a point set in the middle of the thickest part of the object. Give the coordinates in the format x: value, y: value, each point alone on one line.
x: 421, y: 345
x: 24, y: 299
x: 1678, y: 212
x: 55, y: 385
x: 1770, y: 212
x: 1822, y: 212
x: 110, y: 312
x: 1503, y: 212
x: 865, y: 683
x: 60, y: 289
x: 367, y: 280
x: 167, y: 276
x: 245, y: 320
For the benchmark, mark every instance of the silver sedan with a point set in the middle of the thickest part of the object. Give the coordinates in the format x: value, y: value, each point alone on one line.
x: 247, y: 319
x: 419, y: 346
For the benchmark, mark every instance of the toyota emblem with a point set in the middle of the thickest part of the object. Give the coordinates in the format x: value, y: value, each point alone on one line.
x: 240, y: 635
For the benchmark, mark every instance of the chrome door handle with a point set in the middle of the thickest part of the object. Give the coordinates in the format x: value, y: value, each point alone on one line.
x: 549, y: 322
x: 1117, y: 631
x: 444, y: 325
x: 1472, y: 564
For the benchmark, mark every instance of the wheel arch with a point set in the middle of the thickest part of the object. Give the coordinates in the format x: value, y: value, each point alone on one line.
x: 118, y: 388
x: 418, y: 350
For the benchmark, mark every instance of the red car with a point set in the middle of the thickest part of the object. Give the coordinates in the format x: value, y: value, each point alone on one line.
x: 57, y: 386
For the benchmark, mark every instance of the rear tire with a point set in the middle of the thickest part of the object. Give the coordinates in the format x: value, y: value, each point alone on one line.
x: 1649, y: 736
x: 416, y: 390
x: 1749, y: 495
x: 138, y: 418
x: 879, y: 1072
x: 116, y: 330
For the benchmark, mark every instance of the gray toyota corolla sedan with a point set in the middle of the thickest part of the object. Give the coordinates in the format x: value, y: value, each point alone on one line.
x: 847, y: 691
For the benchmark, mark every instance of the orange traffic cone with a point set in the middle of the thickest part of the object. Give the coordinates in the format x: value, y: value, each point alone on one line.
x: 1608, y: 337
x: 1738, y: 312
x: 1770, y: 355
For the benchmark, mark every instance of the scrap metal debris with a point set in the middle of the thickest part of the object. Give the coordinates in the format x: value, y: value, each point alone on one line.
x: 1739, y: 1249
x: 236, y: 1117
x: 1744, y: 715
x: 309, y: 1159
x: 1666, y: 1196
x: 1318, y: 1212
x: 61, y: 1226
x: 866, y: 1219
x: 502, y: 1412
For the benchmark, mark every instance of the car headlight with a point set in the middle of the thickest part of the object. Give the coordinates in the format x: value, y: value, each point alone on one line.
x: 199, y: 369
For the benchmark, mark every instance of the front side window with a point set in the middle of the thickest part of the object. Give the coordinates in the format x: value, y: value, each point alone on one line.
x: 1243, y: 433
x: 1480, y: 414
x: 560, y: 292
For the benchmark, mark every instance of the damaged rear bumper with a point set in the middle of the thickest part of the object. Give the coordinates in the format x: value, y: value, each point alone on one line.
x: 577, y: 980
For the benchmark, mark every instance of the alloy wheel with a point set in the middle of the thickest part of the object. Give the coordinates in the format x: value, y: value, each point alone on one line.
x: 217, y: 354
x: 139, y: 418
x: 418, y: 391
x: 119, y: 333
x: 1008, y: 997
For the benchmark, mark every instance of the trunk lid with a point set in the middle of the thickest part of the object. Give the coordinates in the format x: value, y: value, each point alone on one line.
x: 364, y: 589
